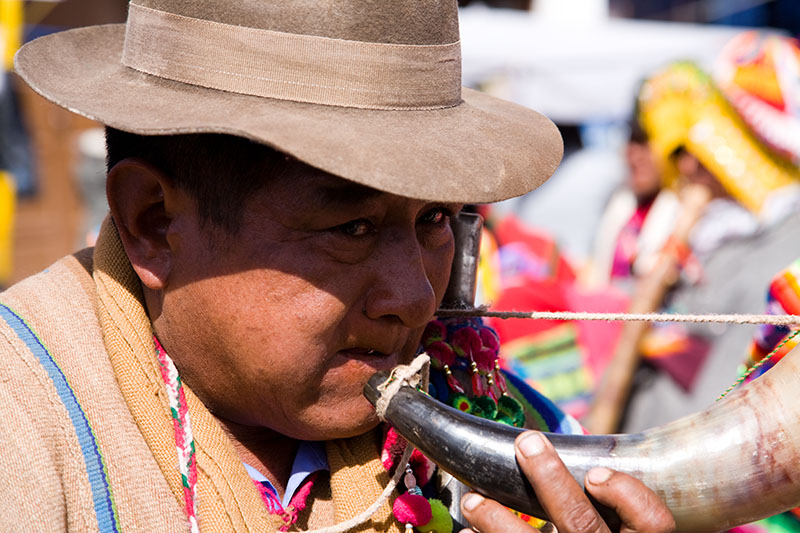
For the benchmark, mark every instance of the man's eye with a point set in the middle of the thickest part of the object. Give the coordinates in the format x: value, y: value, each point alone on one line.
x: 437, y: 215
x: 356, y: 228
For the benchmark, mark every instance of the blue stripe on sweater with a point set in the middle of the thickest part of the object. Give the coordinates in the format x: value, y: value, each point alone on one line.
x: 95, y: 467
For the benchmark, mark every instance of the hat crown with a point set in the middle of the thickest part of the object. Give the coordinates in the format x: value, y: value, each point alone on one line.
x: 421, y: 22
x: 367, y: 90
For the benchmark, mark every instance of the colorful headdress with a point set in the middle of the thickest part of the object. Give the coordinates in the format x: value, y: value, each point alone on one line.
x: 682, y: 107
x: 760, y: 77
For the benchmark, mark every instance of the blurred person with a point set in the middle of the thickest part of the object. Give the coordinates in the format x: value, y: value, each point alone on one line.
x: 724, y: 217
x: 744, y: 235
x: 561, y: 359
x: 271, y: 244
x: 637, y: 221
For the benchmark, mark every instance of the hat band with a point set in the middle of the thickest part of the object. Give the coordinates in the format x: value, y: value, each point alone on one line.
x: 301, y: 68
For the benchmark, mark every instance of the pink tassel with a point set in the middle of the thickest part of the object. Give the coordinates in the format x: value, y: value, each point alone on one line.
x: 466, y: 342
x: 452, y: 382
x: 422, y: 467
x: 485, y: 359
x: 442, y: 352
x: 490, y: 339
x: 477, y: 384
x: 490, y: 387
x: 492, y: 393
x: 500, y: 380
x: 393, y: 448
x: 412, y: 509
x: 434, y: 331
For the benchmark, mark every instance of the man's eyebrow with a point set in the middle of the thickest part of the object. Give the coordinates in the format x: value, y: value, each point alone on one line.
x: 344, y: 193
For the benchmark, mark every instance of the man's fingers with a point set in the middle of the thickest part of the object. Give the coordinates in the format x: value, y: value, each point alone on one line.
x: 488, y: 516
x: 558, y: 492
x: 639, y: 508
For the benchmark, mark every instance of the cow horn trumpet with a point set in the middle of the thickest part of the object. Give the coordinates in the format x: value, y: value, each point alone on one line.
x: 733, y: 463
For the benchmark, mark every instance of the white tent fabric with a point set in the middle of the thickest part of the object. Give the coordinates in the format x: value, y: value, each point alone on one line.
x: 576, y: 70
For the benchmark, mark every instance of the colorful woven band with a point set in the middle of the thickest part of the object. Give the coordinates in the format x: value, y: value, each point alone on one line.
x: 287, y: 66
x: 102, y: 499
x: 184, y: 440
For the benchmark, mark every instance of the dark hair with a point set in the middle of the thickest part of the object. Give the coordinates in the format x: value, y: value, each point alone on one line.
x: 218, y: 171
x: 638, y: 135
x: 677, y: 152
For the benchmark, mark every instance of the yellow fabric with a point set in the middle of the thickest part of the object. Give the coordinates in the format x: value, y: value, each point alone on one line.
x: 10, y: 30
x: 7, y: 201
x: 227, y: 498
x: 349, y: 470
x: 489, y: 282
x: 681, y: 107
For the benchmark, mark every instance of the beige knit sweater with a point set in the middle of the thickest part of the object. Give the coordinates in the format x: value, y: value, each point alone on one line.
x: 86, y: 438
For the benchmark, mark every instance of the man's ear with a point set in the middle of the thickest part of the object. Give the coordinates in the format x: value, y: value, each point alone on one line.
x: 138, y: 194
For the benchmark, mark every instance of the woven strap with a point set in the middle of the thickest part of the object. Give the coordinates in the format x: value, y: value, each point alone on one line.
x: 289, y: 66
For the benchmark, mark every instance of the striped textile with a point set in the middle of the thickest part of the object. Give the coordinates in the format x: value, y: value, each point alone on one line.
x: 92, y: 456
x: 538, y: 408
x: 783, y: 297
x: 554, y: 362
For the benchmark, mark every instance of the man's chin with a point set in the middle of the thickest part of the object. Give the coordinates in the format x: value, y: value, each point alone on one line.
x: 339, y: 417
x: 348, y: 429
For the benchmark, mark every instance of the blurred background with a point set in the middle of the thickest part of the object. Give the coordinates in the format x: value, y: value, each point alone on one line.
x: 53, y: 158
x: 655, y: 99
x: 577, y: 61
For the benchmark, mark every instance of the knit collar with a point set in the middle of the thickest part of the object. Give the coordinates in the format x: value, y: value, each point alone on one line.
x: 227, y: 500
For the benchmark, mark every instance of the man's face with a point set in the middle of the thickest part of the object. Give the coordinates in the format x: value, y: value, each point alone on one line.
x: 692, y: 171
x: 645, y: 178
x: 281, y: 324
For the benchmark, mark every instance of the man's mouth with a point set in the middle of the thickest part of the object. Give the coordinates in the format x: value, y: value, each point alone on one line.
x: 366, y: 353
x: 373, y: 357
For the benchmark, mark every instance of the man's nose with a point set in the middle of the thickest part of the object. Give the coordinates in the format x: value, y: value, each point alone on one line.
x: 402, y: 288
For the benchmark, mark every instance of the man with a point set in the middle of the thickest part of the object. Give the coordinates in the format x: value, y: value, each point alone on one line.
x: 637, y: 221
x: 279, y: 231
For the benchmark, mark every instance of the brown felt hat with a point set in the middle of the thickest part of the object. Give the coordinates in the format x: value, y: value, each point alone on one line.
x: 366, y: 90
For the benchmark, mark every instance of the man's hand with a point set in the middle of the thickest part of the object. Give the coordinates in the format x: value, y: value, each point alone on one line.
x: 639, y: 509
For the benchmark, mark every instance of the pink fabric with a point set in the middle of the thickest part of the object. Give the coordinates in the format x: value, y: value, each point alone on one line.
x: 627, y: 243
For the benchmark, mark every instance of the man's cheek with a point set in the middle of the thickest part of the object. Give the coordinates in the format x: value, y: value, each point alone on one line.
x: 438, y: 269
x: 346, y: 404
x: 439, y: 263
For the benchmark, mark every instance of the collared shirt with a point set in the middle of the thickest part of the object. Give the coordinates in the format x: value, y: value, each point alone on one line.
x: 310, y: 458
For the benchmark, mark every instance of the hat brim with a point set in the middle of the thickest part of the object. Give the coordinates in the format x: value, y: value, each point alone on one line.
x: 483, y: 150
